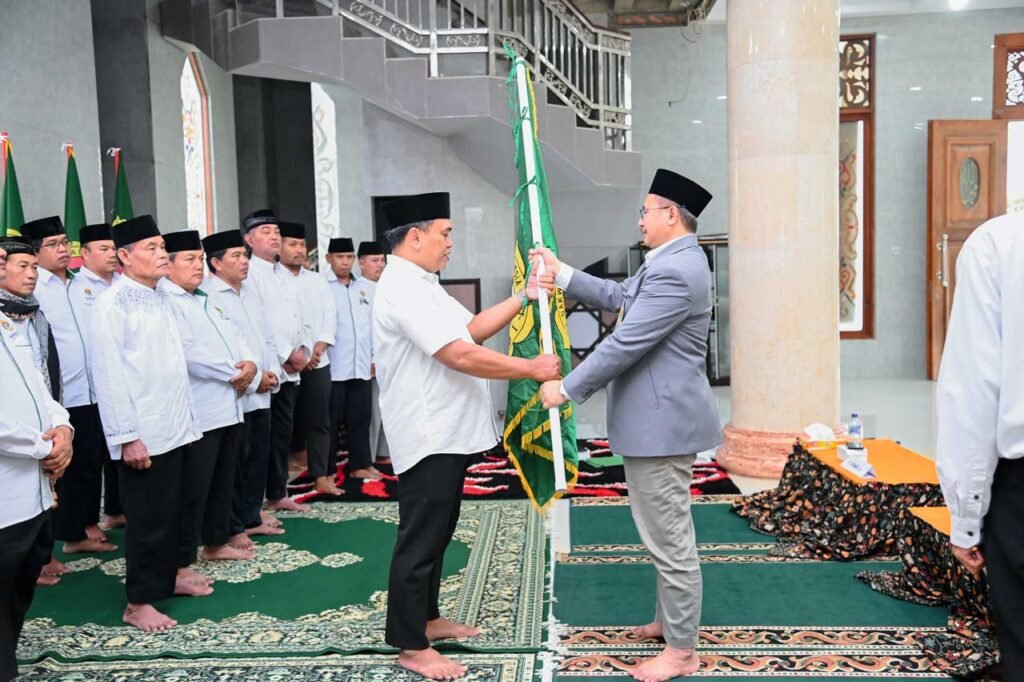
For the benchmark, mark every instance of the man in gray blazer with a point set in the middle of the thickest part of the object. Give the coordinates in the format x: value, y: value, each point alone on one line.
x: 660, y: 408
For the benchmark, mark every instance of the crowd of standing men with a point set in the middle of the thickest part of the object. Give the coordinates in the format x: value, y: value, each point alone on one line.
x: 183, y: 373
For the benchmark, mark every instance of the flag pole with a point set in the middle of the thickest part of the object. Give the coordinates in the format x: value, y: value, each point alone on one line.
x: 526, y: 134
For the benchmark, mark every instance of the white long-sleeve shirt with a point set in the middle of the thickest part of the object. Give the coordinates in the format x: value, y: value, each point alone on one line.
x: 316, y: 307
x: 280, y: 296
x: 57, y: 304
x: 980, y: 394
x: 245, y: 309
x: 352, y: 352
x: 26, y: 412
x: 139, y: 370
x: 213, y: 346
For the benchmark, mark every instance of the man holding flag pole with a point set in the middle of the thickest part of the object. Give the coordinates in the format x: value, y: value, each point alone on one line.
x: 437, y: 412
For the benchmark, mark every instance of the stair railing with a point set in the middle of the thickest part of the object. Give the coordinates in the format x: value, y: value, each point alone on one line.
x: 584, y: 66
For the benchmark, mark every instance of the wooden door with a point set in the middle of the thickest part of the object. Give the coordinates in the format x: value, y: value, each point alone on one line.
x: 966, y: 187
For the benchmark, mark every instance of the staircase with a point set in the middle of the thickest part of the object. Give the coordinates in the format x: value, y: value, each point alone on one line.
x: 441, y: 65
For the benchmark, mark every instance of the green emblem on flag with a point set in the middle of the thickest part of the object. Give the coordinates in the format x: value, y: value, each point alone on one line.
x: 527, y: 435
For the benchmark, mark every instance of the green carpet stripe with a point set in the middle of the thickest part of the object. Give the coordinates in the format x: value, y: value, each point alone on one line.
x: 613, y: 525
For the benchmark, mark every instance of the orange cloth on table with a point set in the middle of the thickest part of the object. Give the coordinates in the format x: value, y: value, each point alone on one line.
x: 937, y: 517
x: 893, y: 464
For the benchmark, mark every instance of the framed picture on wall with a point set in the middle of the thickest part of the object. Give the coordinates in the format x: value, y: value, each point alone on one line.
x: 465, y: 291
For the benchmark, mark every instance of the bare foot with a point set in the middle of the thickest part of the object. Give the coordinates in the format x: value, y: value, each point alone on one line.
x: 242, y: 542
x: 649, y: 631
x: 442, y: 628
x: 188, y: 574
x: 54, y: 569
x: 264, y: 530
x: 189, y: 588
x: 88, y: 545
x: 147, y: 618
x: 227, y: 553
x: 287, y: 504
x: 114, y: 521
x: 367, y: 473
x: 269, y: 520
x: 94, y: 532
x: 431, y: 665
x: 669, y: 664
x: 325, y: 486
x: 47, y: 580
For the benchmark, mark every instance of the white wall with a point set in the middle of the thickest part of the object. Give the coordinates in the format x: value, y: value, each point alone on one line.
x: 47, y: 98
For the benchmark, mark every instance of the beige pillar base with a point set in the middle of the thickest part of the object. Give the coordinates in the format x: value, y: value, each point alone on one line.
x: 761, y: 454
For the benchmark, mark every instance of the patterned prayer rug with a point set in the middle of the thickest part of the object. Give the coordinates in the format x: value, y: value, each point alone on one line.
x: 361, y: 668
x: 320, y: 587
x: 491, y: 476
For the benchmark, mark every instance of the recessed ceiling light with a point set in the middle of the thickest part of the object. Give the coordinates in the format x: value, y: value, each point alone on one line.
x: 915, y: 88
x: 697, y: 122
x: 977, y: 99
x: 957, y: 5
x: 721, y: 97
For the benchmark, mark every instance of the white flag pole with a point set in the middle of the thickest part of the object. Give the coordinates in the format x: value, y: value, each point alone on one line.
x: 526, y: 133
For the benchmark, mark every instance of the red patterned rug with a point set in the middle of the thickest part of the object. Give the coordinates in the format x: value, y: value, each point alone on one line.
x: 491, y: 476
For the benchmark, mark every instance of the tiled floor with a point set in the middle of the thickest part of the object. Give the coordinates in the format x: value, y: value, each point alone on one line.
x: 903, y: 410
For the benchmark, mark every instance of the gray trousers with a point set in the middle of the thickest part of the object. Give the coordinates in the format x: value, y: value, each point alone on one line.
x: 378, y: 442
x: 659, y: 497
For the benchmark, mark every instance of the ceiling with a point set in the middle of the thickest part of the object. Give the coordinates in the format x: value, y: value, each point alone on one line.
x: 869, y: 8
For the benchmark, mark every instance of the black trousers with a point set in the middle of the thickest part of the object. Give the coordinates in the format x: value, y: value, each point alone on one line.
x: 251, y: 472
x: 209, y: 475
x: 111, y: 488
x: 152, y: 506
x: 1004, y: 557
x: 429, y: 501
x: 312, y: 418
x: 24, y: 550
x: 282, y: 419
x: 351, y: 404
x: 79, y: 490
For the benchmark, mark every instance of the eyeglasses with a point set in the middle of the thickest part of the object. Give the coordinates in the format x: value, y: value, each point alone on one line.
x: 644, y: 210
x: 57, y: 244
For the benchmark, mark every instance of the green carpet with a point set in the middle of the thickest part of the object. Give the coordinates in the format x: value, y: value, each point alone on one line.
x: 482, y: 668
x: 762, y: 616
x: 320, y: 587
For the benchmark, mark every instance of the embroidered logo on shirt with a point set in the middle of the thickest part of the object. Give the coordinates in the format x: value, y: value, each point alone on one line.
x: 88, y: 292
x: 7, y: 326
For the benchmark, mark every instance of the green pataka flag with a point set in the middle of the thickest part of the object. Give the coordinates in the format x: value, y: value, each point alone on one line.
x: 12, y: 217
x: 122, y: 200
x: 74, y: 210
x: 527, y: 436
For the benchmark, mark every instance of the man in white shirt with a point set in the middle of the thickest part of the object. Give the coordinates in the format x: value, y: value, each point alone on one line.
x: 98, y: 272
x: 80, y: 488
x: 980, y: 404
x: 35, y: 445
x: 229, y: 288
x: 221, y: 369
x: 351, y: 395
x: 437, y: 412
x: 149, y: 417
x: 294, y: 347
x: 372, y: 261
x: 311, y: 430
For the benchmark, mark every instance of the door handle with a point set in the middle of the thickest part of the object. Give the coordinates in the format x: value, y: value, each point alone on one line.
x: 943, y: 273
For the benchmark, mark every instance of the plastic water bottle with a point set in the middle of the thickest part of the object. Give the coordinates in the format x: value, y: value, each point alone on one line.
x: 856, y: 433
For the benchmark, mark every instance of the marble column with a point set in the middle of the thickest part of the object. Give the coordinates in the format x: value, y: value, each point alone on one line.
x: 783, y: 227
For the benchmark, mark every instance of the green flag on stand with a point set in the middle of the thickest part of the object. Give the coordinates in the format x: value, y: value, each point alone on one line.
x: 122, y: 210
x: 527, y: 437
x: 12, y: 217
x: 74, y: 209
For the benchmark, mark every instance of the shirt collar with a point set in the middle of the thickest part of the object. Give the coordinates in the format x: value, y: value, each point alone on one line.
x: 259, y: 263
x: 170, y: 287
x: 45, y: 276
x: 409, y: 269
x: 653, y: 253
x: 215, y: 283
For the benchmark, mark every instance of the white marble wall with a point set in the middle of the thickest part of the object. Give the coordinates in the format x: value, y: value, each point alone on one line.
x: 47, y: 98
x: 947, y: 54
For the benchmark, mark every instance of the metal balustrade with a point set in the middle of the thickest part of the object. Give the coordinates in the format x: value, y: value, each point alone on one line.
x: 583, y: 66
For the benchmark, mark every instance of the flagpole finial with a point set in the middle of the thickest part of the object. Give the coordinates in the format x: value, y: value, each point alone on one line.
x: 113, y: 151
